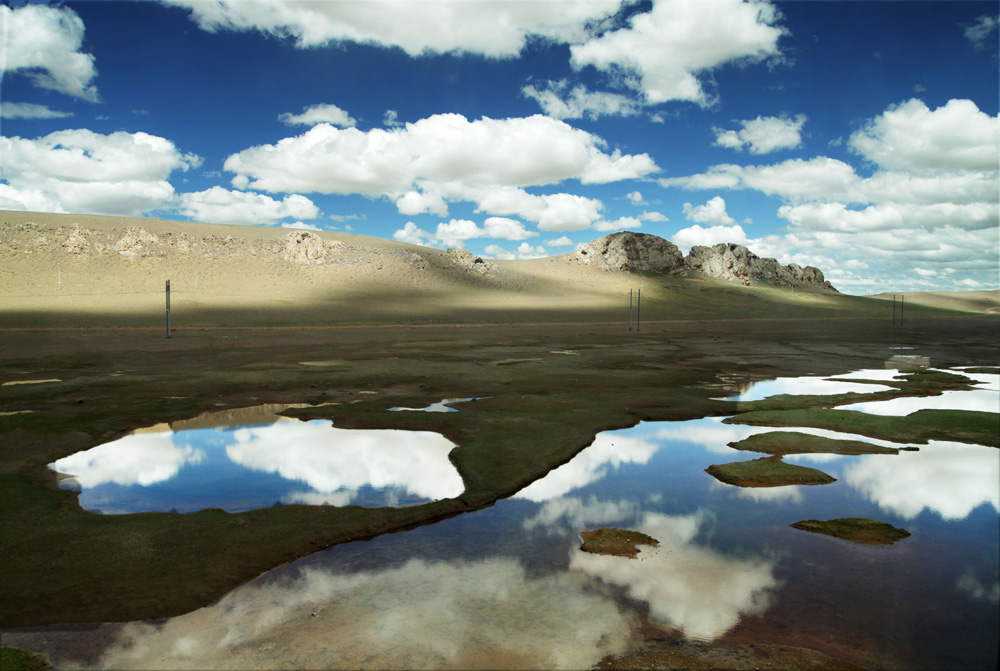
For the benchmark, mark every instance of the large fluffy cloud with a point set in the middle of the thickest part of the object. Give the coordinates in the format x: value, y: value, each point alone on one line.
x: 221, y: 206
x: 909, y: 136
x: 443, y: 148
x: 493, y: 29
x: 44, y: 44
x: 83, y: 171
x: 446, y: 157
x: 663, y: 51
x: 928, y: 217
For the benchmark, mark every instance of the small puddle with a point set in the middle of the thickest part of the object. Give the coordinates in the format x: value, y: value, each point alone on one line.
x: 444, y: 405
x: 253, y: 458
x: 13, y: 382
x: 808, y: 386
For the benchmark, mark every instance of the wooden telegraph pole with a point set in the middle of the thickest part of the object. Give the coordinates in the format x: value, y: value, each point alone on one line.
x: 638, y: 310
x: 168, y: 308
x: 629, y: 309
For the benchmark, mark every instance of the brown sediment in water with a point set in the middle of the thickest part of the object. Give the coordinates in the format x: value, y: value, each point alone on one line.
x: 795, y: 442
x: 615, y: 542
x: 767, y: 472
x: 856, y: 530
x: 703, y: 657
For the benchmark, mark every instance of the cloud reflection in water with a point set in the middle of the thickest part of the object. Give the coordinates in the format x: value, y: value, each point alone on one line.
x: 423, y: 614
x: 609, y: 448
x: 274, y: 458
x: 689, y: 587
x: 950, y: 479
x: 137, y: 459
x: 329, y: 459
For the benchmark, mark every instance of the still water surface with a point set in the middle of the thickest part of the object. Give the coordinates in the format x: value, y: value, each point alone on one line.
x: 508, y: 586
x: 263, y: 460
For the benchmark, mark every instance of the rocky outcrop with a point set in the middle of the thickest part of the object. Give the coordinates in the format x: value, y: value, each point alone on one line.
x: 77, y: 242
x: 135, y: 243
x: 633, y: 252
x: 640, y: 252
x: 468, y: 261
x: 305, y: 248
x: 736, y: 263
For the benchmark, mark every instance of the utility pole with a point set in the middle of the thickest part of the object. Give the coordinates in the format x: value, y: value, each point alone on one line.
x: 168, y: 308
x: 629, y: 309
x: 638, y: 311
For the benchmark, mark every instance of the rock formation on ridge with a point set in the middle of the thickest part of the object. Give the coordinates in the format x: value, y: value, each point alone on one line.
x: 736, y: 263
x: 633, y: 252
x: 641, y: 252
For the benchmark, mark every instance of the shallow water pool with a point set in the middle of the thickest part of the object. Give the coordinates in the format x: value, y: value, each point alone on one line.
x: 258, y: 459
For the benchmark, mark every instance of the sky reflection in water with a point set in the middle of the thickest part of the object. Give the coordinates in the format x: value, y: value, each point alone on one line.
x: 508, y: 586
x: 252, y: 466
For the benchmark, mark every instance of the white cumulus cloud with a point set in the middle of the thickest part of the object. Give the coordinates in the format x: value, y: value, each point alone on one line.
x: 315, y: 114
x: 221, y: 206
x: 424, y: 165
x: 932, y: 203
x: 418, y: 27
x: 454, y: 233
x: 663, y: 51
x: 621, y: 223
x: 910, y: 136
x: 523, y: 251
x: 44, y: 43
x: 686, y: 238
x: 83, y: 171
x: 444, y: 148
x: 713, y: 212
x: 763, y: 134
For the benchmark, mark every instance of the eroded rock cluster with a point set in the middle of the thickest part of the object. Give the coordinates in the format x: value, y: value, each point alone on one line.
x: 633, y: 252
x: 468, y: 261
x: 736, y: 263
x: 640, y: 252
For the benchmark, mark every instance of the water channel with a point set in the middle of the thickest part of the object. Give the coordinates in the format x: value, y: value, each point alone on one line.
x: 509, y: 587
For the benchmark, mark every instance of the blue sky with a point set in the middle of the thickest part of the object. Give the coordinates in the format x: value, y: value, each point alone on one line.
x: 859, y: 137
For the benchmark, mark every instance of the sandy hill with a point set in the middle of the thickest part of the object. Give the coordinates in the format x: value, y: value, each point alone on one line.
x: 80, y: 270
x: 968, y: 301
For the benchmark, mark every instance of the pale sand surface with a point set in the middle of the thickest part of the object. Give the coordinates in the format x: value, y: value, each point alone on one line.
x: 226, y: 269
